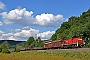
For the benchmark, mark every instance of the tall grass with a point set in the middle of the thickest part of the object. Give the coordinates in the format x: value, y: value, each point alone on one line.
x: 34, y: 55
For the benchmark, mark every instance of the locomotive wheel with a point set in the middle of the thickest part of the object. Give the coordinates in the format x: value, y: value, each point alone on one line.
x: 73, y: 46
x: 81, y: 46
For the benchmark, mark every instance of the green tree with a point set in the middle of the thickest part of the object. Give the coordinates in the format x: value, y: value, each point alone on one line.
x: 40, y: 43
x: 53, y: 37
x: 0, y: 48
x: 30, y: 41
x: 5, y: 45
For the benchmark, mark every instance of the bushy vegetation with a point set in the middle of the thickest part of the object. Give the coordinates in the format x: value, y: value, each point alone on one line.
x: 79, y: 26
x: 0, y: 49
x: 17, y: 48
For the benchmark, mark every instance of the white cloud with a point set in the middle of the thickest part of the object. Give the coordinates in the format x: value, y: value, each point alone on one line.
x: 17, y: 16
x: 17, y: 30
x: 6, y: 36
x: 1, y: 38
x: 21, y: 34
x: 1, y: 23
x: 49, y: 20
x: 26, y: 28
x: 25, y: 18
x: 1, y: 32
x: 25, y: 34
x: 46, y: 35
x: 2, y: 5
x: 11, y: 38
x: 66, y: 20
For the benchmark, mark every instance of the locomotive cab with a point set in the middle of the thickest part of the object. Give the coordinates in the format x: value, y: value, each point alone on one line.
x: 74, y: 42
x: 79, y: 42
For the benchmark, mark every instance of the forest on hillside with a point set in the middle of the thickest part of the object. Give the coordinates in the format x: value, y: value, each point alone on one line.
x: 75, y: 26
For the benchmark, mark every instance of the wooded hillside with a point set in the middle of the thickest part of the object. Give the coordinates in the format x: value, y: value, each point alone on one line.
x: 79, y: 26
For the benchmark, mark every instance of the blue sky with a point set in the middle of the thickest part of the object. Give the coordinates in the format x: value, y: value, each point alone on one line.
x: 22, y: 19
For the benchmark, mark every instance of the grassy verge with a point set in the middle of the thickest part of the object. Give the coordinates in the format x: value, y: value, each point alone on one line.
x: 34, y: 55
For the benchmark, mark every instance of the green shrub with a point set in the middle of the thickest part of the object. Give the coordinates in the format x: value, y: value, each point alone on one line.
x: 17, y: 50
x: 0, y: 49
x: 5, y: 51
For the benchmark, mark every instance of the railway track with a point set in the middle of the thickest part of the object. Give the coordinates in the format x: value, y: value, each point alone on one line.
x: 64, y: 50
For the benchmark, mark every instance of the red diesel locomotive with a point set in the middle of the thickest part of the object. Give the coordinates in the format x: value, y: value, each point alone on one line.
x: 70, y: 43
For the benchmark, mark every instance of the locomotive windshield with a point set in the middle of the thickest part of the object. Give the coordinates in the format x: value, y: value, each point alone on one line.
x: 75, y: 37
